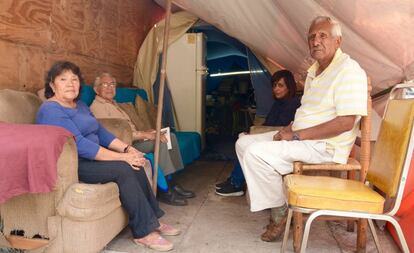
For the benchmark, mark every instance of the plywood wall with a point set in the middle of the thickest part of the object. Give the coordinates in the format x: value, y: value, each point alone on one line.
x: 98, y: 35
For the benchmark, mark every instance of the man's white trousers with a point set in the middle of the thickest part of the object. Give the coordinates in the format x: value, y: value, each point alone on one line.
x: 265, y: 161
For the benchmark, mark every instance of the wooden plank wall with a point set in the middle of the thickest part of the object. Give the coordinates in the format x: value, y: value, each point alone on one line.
x: 98, y: 35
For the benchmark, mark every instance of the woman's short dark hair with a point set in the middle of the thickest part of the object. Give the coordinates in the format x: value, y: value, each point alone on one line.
x: 57, y: 69
x: 289, y: 80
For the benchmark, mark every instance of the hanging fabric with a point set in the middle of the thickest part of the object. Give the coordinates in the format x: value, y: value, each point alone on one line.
x: 167, y: 112
x: 261, y: 82
x: 146, y: 66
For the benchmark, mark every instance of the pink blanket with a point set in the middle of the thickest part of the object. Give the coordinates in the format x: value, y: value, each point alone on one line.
x: 28, y: 158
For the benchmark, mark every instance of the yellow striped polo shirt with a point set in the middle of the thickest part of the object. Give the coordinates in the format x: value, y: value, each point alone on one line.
x: 340, y: 90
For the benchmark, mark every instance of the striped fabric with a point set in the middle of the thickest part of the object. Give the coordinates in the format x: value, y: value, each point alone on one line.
x: 340, y: 90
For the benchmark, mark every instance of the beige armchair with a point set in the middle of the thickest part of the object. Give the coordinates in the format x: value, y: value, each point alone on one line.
x: 75, y: 217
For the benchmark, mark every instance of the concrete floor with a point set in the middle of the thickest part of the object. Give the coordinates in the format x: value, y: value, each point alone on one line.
x: 211, y: 223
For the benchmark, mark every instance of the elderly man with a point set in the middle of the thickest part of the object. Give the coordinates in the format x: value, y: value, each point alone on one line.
x: 324, y: 128
x: 104, y: 106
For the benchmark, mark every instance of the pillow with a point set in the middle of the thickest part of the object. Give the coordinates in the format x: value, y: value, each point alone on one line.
x: 18, y: 106
x: 146, y: 111
x: 125, y: 95
x: 143, y: 94
x: 41, y: 94
x: 140, y: 124
x: 87, y: 94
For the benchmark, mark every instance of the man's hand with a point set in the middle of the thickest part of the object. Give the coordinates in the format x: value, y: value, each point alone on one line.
x: 277, y: 136
x: 329, y: 129
x: 334, y: 127
x: 285, y: 134
x: 151, y: 134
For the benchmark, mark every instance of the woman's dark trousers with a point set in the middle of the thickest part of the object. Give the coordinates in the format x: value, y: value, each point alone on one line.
x: 135, y: 192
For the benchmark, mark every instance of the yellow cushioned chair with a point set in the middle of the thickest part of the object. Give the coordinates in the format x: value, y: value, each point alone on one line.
x: 352, y: 164
x: 329, y: 196
x: 351, y: 167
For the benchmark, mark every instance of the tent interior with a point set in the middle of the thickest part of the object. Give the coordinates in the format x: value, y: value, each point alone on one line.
x: 378, y: 34
x: 227, y: 97
x: 241, y: 36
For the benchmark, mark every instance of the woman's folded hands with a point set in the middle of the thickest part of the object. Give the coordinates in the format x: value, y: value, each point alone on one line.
x: 134, y: 158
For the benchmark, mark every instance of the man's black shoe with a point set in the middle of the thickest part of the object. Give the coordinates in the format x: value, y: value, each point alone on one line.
x: 171, y: 198
x: 224, y: 183
x: 229, y: 191
x: 183, y: 192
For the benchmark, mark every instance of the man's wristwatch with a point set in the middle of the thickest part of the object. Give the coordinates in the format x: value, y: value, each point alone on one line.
x: 295, y: 136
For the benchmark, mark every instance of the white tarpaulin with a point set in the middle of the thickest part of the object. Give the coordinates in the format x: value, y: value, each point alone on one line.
x: 379, y: 34
x: 146, y: 66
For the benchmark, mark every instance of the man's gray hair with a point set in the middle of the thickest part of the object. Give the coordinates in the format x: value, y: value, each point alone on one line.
x: 100, y: 76
x: 336, y: 27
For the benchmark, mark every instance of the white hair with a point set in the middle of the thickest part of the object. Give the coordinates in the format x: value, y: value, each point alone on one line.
x: 100, y: 76
x: 336, y: 27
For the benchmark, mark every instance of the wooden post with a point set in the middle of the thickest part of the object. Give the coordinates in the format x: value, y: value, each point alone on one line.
x: 365, y: 158
x: 297, y: 231
x: 362, y: 236
x: 366, y: 137
x: 161, y: 95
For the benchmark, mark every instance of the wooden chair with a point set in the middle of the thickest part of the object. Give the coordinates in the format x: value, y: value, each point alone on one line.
x: 351, y: 167
x: 352, y: 164
x: 336, y: 197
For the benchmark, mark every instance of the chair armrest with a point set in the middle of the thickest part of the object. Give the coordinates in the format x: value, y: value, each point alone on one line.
x: 67, y: 168
x: 30, y: 212
x: 118, y: 127
x: 350, y: 166
x: 263, y: 129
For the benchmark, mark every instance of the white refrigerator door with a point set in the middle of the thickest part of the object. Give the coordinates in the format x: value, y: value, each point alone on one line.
x: 201, y: 73
x: 186, y: 76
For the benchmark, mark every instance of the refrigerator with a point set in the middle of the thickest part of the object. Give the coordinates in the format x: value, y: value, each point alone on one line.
x: 186, y: 74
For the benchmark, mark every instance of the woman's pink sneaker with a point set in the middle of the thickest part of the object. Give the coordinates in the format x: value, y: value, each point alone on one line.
x: 166, y: 229
x: 155, y: 241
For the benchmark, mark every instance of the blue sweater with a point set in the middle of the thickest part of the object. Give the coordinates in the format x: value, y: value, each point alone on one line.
x: 89, y: 134
x: 282, y: 112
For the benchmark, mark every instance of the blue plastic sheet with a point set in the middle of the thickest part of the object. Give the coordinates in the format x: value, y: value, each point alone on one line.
x: 261, y: 82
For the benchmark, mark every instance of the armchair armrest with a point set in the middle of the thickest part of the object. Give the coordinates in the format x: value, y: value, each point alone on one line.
x: 119, y: 127
x: 35, y: 209
x: 67, y: 168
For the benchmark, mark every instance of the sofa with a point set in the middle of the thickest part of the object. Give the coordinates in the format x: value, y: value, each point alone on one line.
x: 74, y: 217
x: 189, y: 142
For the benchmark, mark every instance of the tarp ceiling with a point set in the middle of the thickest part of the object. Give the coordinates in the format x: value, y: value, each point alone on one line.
x: 379, y: 34
x: 220, y: 45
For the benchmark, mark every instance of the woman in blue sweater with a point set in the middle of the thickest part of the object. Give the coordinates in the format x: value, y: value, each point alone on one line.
x: 102, y: 157
x: 281, y: 114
